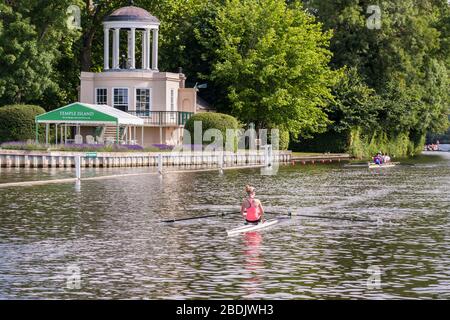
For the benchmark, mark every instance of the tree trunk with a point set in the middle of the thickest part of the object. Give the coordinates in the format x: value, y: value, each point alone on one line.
x: 93, y: 12
x: 86, y: 51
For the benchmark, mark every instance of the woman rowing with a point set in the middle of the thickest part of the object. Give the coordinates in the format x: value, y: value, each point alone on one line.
x: 252, y: 209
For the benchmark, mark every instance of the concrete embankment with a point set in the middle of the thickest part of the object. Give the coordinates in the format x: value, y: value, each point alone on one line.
x: 43, y: 159
x: 321, y: 158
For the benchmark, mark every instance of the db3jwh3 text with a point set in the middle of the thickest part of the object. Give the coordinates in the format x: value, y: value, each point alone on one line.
x: 235, y: 310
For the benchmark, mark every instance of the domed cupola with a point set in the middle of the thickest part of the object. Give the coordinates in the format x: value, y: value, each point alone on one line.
x: 132, y: 14
x: 131, y: 19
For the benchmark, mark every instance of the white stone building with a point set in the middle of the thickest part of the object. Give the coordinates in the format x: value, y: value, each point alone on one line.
x: 132, y: 82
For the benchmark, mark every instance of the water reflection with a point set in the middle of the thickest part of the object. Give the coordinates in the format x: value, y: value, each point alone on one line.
x: 110, y: 230
x: 253, y: 261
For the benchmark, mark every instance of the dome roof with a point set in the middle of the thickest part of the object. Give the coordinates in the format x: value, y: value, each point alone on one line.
x: 132, y: 13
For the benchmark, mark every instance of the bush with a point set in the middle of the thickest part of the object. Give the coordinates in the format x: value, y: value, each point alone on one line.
x: 17, y: 122
x: 97, y: 148
x: 28, y: 146
x: 31, y: 146
x: 211, y: 120
x: 284, y: 140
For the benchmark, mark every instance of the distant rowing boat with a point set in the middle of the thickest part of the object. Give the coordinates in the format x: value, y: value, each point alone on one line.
x: 252, y: 227
x: 384, y: 165
x: 371, y: 165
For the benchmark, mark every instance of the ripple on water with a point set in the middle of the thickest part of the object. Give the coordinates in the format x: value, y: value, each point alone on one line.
x: 109, y: 230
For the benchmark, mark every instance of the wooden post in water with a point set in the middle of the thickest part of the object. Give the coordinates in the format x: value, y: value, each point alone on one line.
x: 270, y: 155
x: 78, y: 167
x: 221, y: 162
x: 160, y: 164
x: 266, y: 155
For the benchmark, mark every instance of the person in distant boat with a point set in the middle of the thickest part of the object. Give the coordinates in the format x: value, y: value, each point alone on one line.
x: 252, y: 209
x: 378, y: 159
x: 386, y: 158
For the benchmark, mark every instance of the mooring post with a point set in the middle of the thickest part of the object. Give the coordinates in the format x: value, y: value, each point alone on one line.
x: 270, y: 155
x: 266, y: 155
x: 221, y: 162
x: 160, y: 164
x: 78, y: 167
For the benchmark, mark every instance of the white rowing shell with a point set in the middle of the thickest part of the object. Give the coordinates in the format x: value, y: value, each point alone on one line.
x: 252, y: 227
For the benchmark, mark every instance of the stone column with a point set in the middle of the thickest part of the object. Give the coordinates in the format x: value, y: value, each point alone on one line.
x: 129, y: 49
x: 148, y: 48
x: 116, y: 49
x: 155, y: 50
x: 106, y: 49
x: 144, y: 46
x: 133, y: 49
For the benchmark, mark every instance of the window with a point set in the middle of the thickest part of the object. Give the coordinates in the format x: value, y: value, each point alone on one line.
x: 121, y: 99
x: 172, y: 100
x: 143, y: 99
x: 101, y: 95
x: 172, y: 104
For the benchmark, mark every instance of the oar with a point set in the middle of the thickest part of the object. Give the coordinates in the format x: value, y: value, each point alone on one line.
x: 195, y: 218
x: 289, y: 214
x: 324, y: 217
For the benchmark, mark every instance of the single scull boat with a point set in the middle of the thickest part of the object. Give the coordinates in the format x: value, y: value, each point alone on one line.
x: 252, y: 227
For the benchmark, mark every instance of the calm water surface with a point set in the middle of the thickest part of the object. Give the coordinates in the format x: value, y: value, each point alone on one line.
x: 109, y: 230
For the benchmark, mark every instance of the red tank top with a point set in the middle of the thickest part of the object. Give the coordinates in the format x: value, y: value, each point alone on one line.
x: 252, y: 212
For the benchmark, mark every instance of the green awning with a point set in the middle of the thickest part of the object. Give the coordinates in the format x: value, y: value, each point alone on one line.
x: 89, y: 114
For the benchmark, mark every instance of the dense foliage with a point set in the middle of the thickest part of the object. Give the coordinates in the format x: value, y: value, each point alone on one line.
x: 17, y: 122
x: 397, y: 84
x: 317, y: 70
x: 32, y: 146
x: 36, y: 55
x: 273, y: 64
x: 208, y: 121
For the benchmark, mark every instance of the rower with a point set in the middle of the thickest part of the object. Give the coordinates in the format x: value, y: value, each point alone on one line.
x: 378, y: 159
x: 252, y: 209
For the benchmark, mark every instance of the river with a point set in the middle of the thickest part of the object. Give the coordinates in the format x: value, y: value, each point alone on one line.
x: 103, y: 239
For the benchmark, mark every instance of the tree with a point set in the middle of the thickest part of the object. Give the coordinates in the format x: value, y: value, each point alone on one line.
x: 32, y: 34
x: 355, y: 104
x: 25, y: 64
x: 405, y: 62
x: 17, y: 122
x: 272, y: 58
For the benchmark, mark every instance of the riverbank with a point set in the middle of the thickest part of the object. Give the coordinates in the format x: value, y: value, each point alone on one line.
x: 313, y: 158
x: 66, y: 159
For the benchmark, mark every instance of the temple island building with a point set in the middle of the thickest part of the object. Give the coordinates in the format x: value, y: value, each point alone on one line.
x: 131, y: 100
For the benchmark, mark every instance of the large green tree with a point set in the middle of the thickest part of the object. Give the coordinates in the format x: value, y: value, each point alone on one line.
x: 404, y: 60
x: 272, y: 58
x: 34, y: 38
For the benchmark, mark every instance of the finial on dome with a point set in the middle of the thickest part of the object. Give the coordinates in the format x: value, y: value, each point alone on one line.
x: 131, y: 2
